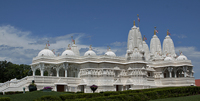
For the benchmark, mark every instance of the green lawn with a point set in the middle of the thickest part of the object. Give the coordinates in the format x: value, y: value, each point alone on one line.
x: 186, y: 98
x: 30, y: 96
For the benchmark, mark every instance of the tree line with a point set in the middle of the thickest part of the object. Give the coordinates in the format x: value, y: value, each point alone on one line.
x: 9, y: 71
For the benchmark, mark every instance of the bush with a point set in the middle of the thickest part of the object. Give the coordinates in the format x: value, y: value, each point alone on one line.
x: 108, y: 93
x: 1, y: 93
x: 13, y: 92
x: 67, y: 96
x: 48, y: 98
x: 5, y: 99
x: 79, y: 92
x: 134, y: 95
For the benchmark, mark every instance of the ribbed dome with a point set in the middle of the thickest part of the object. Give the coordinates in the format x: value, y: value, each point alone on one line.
x: 134, y: 38
x: 110, y: 53
x: 146, y: 50
x: 181, y: 57
x: 46, y: 52
x: 90, y: 52
x: 155, y: 46
x: 168, y: 46
x: 168, y: 59
x: 68, y: 52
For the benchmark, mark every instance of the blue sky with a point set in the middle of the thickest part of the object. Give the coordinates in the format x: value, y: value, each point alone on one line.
x: 26, y: 26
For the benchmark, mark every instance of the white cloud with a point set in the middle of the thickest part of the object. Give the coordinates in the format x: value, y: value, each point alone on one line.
x: 20, y: 47
x: 181, y: 36
x: 118, y: 44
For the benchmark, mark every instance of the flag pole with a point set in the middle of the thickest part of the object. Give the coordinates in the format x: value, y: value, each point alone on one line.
x: 138, y: 19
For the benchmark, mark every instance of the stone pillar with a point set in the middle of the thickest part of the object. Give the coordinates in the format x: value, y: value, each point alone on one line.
x: 41, y: 69
x: 65, y: 65
x: 42, y: 72
x: 175, y: 70
x: 170, y: 71
x: 33, y: 69
x: 57, y: 70
x: 185, y: 70
x: 65, y: 72
x: 33, y: 72
x: 190, y: 70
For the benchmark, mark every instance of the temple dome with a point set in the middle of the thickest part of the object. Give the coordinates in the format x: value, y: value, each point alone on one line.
x: 146, y: 50
x: 90, y: 52
x: 181, y: 57
x: 68, y: 52
x: 168, y: 46
x: 155, y: 46
x: 46, y: 52
x: 168, y: 59
x: 110, y: 53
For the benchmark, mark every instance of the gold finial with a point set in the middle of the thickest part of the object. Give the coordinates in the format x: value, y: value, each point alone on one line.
x: 167, y: 31
x: 138, y: 15
x: 46, y: 45
x: 58, y: 54
x: 134, y: 23
x: 90, y: 46
x: 109, y: 47
x: 74, y: 41
x: 143, y: 37
x: 68, y: 45
x: 155, y: 30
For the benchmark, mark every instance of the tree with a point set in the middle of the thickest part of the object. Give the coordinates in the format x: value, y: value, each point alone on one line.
x: 9, y: 71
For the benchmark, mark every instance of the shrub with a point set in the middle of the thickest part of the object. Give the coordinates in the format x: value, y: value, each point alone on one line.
x: 1, y: 93
x: 5, y: 99
x: 67, y: 96
x: 48, y: 98
x: 134, y: 95
x: 13, y: 92
x: 108, y: 93
x: 79, y: 92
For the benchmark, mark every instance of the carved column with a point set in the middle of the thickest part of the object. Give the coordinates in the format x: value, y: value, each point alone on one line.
x: 175, y: 70
x: 190, y: 71
x: 185, y: 70
x: 42, y: 69
x: 65, y: 65
x: 33, y: 69
x: 57, y: 70
x: 170, y: 71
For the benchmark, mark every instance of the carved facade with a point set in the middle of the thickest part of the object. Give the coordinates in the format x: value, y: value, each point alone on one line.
x: 141, y: 68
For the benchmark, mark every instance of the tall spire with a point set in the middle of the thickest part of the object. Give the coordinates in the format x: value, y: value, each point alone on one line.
x: 134, y: 23
x: 155, y: 30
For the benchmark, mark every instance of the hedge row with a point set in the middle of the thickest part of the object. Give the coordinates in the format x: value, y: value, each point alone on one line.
x: 148, y: 95
x: 133, y: 95
x: 5, y: 99
x: 48, y: 98
x: 108, y: 93
x: 13, y: 92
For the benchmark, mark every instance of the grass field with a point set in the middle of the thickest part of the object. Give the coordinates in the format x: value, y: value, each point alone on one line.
x: 186, y: 98
x: 30, y: 96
